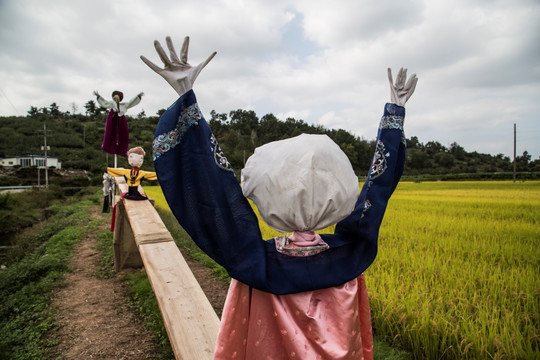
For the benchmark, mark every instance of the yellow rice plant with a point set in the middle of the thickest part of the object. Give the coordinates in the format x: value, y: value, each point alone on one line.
x: 155, y: 193
x: 457, y: 275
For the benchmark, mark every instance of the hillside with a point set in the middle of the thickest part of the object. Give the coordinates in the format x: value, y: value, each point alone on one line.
x: 76, y: 141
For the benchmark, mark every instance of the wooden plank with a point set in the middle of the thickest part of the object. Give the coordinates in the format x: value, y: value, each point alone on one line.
x: 121, y: 182
x: 146, y: 224
x: 191, y: 322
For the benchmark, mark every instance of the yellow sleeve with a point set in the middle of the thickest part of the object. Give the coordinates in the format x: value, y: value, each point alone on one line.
x: 116, y: 171
x: 149, y: 175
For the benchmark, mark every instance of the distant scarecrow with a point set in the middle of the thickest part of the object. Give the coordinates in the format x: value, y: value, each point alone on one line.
x: 116, y: 138
x: 134, y: 175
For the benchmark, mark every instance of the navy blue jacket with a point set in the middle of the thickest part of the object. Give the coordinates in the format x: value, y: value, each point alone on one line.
x: 205, y: 196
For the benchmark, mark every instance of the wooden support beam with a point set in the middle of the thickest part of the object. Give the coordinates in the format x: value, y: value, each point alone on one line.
x: 191, y: 322
x: 126, y: 253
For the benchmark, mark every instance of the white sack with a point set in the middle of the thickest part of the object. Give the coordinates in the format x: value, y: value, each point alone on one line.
x: 300, y: 184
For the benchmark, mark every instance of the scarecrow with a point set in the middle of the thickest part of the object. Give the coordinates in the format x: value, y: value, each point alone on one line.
x: 300, y: 295
x: 134, y: 175
x: 116, y: 138
x: 108, y: 191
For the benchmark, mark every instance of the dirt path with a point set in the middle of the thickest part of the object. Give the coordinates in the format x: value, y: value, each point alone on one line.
x: 97, y: 321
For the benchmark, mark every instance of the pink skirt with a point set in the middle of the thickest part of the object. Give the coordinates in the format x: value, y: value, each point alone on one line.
x: 333, y: 323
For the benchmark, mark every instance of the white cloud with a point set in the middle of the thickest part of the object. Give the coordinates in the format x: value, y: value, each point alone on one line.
x: 478, y: 62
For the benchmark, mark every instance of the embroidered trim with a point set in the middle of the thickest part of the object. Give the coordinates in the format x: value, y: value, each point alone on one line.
x: 367, y: 205
x: 379, y: 160
x: 392, y: 122
x: 219, y: 157
x: 167, y: 141
x: 133, y: 176
x: 287, y: 247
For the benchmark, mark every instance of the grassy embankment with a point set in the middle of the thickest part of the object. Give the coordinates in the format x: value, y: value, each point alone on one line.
x: 35, y: 268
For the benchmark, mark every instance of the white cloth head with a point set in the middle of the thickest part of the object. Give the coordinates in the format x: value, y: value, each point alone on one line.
x: 304, y: 183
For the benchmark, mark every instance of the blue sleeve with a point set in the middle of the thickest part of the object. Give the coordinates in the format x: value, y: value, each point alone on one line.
x: 357, y: 235
x: 205, y: 197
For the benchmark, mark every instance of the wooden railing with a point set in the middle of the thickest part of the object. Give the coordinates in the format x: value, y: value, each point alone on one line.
x: 141, y: 238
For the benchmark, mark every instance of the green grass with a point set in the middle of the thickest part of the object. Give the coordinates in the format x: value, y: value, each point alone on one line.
x: 24, y: 209
x: 26, y: 284
x: 140, y: 295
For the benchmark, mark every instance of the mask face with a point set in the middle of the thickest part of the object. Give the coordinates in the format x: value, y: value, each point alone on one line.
x: 135, y: 160
x: 116, y: 98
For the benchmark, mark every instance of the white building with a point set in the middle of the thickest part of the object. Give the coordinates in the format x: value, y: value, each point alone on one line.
x: 31, y: 160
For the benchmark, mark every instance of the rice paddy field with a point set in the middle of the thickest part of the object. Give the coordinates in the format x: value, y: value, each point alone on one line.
x: 457, y: 275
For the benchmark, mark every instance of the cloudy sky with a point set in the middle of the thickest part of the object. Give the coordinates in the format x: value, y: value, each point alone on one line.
x: 478, y: 61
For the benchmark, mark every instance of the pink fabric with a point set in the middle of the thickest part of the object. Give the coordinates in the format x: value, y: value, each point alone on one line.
x: 305, y: 238
x: 285, y: 246
x: 333, y: 323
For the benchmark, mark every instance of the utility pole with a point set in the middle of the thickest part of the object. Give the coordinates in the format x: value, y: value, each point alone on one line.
x: 45, y: 148
x: 515, y: 152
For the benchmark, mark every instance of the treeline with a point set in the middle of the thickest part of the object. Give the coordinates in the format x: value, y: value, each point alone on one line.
x: 76, y: 140
x: 241, y: 131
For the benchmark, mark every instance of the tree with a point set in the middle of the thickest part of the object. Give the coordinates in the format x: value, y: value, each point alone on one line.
x: 417, y: 159
x: 414, y: 143
x: 74, y: 108
x: 433, y: 147
x: 522, y: 162
x: 55, y: 110
x: 90, y: 107
x: 458, y: 151
x: 33, y: 111
x: 218, y: 117
x: 244, y: 120
x: 444, y: 159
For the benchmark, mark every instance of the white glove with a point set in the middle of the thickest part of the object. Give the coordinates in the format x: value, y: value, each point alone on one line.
x: 401, y: 92
x: 177, y: 72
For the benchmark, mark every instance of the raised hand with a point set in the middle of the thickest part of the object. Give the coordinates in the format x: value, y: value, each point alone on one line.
x: 177, y: 71
x: 400, y: 92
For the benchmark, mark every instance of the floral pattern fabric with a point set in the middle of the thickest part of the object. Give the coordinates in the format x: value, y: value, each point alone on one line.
x: 392, y: 122
x: 285, y: 246
x: 167, y: 141
x: 379, y: 160
x: 219, y: 156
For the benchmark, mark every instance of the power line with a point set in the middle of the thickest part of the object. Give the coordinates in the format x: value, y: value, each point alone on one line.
x: 17, y: 111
